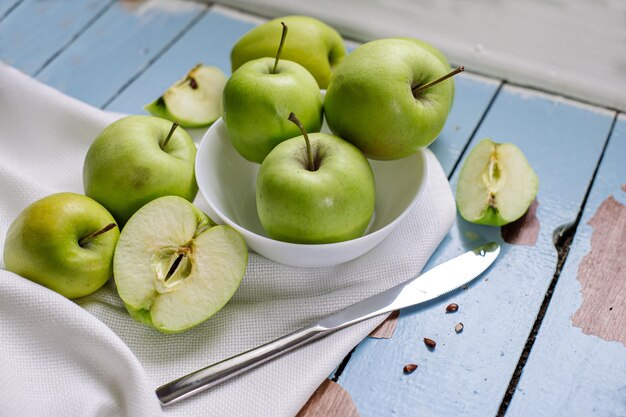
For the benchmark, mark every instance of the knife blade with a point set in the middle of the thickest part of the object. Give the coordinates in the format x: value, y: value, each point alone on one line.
x: 434, y: 283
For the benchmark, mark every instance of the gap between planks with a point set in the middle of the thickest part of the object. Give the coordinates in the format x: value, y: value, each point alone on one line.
x: 82, y: 30
x: 10, y: 9
x: 563, y: 238
x: 157, y: 56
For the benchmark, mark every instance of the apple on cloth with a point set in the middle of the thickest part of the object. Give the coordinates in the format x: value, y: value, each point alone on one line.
x: 311, y: 43
x: 90, y: 358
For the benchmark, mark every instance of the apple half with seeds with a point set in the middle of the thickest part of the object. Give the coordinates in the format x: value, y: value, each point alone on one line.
x: 496, y: 184
x: 193, y: 101
x: 174, y: 267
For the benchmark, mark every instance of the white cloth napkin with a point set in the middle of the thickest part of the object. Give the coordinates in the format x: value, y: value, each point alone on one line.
x: 89, y: 358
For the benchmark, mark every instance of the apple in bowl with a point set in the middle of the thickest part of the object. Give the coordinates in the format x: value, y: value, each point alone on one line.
x: 315, y: 188
x: 313, y: 44
x: 228, y: 183
x: 390, y: 98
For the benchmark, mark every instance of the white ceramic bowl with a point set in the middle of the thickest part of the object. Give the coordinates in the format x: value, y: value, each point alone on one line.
x: 227, y: 182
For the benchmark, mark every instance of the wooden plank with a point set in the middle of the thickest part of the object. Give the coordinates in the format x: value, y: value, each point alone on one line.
x: 582, y: 372
x: 469, y: 372
x: 36, y: 31
x: 117, y: 47
x: 209, y: 41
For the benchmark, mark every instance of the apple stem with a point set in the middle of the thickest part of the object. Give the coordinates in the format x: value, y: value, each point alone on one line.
x: 169, y: 135
x: 292, y: 118
x: 280, y: 47
x: 417, y: 89
x: 83, y: 241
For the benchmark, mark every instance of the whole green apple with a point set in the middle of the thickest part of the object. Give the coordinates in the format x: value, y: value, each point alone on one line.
x: 195, y: 100
x: 390, y: 98
x: 315, y: 188
x: 137, y: 159
x: 65, y: 242
x: 312, y: 43
x: 256, y: 104
x: 174, y: 267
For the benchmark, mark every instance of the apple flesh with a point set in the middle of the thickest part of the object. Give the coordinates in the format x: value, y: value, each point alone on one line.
x: 193, y: 101
x: 174, y: 267
x: 137, y: 159
x: 64, y: 242
x: 371, y: 103
x: 496, y: 184
x: 332, y: 202
x: 257, y: 102
x: 311, y: 43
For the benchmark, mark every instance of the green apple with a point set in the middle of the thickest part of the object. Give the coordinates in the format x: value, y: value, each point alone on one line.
x: 315, y: 188
x: 65, y: 242
x: 312, y: 43
x: 174, y: 267
x: 390, y: 98
x: 194, y: 101
x: 496, y: 184
x: 258, y: 98
x: 137, y: 159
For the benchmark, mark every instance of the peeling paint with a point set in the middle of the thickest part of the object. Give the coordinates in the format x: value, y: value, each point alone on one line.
x: 525, y: 230
x: 386, y: 329
x: 602, y: 275
x: 329, y: 399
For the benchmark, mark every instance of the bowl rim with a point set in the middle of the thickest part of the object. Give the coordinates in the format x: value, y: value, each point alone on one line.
x: 265, y: 239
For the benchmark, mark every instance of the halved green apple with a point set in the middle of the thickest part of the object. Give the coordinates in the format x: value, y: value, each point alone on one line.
x: 496, y: 184
x: 174, y: 267
x: 193, y: 101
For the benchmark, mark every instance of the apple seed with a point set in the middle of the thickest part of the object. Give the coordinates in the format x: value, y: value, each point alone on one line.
x: 453, y: 307
x: 409, y: 368
x: 430, y: 343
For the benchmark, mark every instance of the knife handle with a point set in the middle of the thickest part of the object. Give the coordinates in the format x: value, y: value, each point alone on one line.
x: 219, y: 372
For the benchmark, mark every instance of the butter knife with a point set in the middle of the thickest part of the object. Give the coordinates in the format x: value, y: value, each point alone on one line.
x: 432, y: 284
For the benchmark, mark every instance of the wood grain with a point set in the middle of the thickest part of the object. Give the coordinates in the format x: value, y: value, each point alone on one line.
x: 602, y: 274
x: 386, y: 328
x: 525, y: 230
x: 329, y: 399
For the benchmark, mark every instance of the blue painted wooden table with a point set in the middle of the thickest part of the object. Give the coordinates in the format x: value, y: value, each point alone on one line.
x: 544, y: 330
